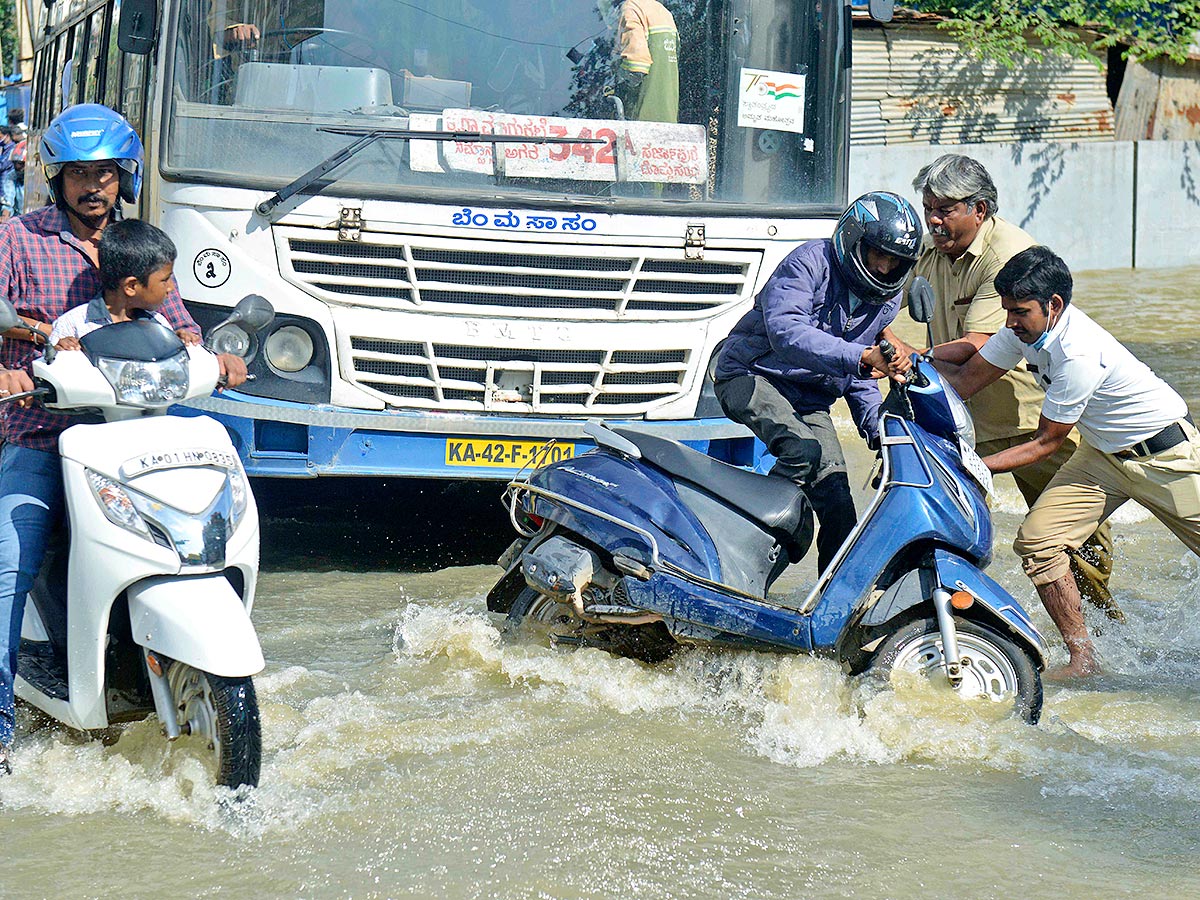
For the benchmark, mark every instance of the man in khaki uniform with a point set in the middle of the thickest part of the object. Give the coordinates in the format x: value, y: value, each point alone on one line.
x: 965, y: 246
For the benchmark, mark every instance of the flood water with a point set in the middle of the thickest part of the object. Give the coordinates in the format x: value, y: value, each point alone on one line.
x: 412, y: 751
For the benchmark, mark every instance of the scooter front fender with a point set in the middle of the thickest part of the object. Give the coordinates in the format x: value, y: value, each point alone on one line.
x: 199, y: 620
x: 957, y: 574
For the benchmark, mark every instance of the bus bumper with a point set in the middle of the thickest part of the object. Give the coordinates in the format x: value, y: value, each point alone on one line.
x: 290, y: 440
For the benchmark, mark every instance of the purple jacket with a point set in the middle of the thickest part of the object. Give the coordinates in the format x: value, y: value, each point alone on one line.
x: 802, y: 336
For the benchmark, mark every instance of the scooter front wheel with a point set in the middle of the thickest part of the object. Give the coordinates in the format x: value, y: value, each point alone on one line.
x: 992, y: 665
x: 223, y: 712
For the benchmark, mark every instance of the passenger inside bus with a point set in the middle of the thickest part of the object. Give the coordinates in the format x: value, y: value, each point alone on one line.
x: 646, y: 73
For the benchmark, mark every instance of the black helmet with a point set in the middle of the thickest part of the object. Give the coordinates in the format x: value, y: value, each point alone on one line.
x: 887, y: 222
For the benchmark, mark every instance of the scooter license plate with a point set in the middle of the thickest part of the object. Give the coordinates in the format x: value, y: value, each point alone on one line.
x: 980, y: 472
x: 505, y: 454
x: 174, y: 459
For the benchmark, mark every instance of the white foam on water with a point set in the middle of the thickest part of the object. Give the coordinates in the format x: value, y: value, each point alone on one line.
x: 591, y: 676
x: 64, y: 773
x: 453, y: 682
x: 805, y: 712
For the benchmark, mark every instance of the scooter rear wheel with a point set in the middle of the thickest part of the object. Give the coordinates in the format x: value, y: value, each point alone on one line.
x: 993, y: 666
x: 542, y: 618
x: 223, y: 711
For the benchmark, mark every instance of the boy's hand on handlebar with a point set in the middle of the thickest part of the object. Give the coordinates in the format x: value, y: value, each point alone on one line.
x: 233, y: 370
x: 188, y: 337
x: 15, y: 381
x: 69, y: 342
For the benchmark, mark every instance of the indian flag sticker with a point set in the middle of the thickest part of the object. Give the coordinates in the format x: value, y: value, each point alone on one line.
x: 771, y: 100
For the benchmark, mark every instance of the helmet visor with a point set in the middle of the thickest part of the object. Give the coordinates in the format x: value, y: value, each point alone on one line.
x: 53, y: 169
x: 886, y: 284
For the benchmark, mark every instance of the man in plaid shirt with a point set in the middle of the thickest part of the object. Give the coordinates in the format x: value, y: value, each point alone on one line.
x: 49, y: 264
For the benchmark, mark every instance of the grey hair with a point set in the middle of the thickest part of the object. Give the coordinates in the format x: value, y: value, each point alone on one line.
x: 958, y: 177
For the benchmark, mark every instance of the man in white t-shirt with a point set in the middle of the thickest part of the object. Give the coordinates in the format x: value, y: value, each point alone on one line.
x: 1139, y: 442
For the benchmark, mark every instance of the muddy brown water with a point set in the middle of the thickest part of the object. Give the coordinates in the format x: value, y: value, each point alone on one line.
x: 411, y: 751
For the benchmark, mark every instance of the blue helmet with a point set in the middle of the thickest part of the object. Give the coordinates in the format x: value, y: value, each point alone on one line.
x: 89, y: 132
x: 887, y: 222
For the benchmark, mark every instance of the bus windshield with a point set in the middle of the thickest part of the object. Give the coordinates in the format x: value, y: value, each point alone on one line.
x: 721, y: 105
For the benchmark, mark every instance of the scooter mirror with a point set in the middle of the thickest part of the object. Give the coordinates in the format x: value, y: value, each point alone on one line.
x: 8, y: 316
x: 253, y: 313
x: 921, y: 300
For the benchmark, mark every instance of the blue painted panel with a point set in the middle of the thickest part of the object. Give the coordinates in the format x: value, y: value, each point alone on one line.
x: 744, y: 622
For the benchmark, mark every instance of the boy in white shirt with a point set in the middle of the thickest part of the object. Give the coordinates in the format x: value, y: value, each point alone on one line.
x: 137, y: 271
x: 1139, y: 442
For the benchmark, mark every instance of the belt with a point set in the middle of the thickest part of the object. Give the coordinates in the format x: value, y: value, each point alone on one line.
x: 1169, y: 437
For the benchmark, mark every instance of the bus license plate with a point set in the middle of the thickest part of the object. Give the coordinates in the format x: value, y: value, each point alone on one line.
x: 505, y: 454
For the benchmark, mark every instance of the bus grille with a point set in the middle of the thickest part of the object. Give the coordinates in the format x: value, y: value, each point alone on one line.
x: 470, y: 277
x: 511, y: 380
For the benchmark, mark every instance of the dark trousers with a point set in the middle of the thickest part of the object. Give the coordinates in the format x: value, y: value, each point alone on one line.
x: 806, y: 451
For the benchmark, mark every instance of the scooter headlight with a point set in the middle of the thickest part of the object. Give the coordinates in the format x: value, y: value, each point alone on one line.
x: 116, y: 504
x: 146, y: 383
x: 963, y: 422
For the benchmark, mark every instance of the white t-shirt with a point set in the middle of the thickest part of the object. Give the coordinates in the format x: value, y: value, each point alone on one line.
x: 87, y: 317
x: 1093, y: 381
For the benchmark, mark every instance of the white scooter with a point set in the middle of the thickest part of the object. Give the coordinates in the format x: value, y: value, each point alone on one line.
x: 159, y: 580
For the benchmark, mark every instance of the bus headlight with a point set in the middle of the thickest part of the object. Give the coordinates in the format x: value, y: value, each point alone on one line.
x: 289, y: 348
x: 230, y: 339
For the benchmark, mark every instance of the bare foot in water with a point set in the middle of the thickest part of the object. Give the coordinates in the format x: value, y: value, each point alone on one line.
x: 1080, y: 666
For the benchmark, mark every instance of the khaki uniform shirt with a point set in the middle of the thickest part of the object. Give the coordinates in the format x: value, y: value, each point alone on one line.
x: 967, y: 301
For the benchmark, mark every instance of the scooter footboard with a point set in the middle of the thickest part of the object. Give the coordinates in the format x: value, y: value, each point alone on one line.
x: 199, y: 620
x: 956, y: 574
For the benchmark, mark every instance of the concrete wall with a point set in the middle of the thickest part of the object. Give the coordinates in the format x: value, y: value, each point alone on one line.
x: 1168, y: 204
x: 1098, y: 205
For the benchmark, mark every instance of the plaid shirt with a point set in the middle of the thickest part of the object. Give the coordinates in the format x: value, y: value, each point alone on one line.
x: 44, y: 271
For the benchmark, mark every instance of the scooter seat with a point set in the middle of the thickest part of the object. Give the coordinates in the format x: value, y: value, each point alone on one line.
x: 774, y: 502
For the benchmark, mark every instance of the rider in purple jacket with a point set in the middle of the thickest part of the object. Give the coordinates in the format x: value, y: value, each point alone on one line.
x: 810, y: 339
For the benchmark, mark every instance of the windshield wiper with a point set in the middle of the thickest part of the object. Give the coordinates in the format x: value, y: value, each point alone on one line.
x: 369, y: 136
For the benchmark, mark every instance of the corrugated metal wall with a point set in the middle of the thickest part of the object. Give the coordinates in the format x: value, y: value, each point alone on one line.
x: 913, y: 86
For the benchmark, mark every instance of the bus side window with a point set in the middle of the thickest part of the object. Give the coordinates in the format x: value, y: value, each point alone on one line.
x: 133, y: 90
x: 43, y: 72
x: 73, y: 91
x: 112, y: 70
x: 62, y: 62
x: 93, y: 85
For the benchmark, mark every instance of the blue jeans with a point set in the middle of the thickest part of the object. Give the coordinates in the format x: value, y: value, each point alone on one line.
x: 31, y: 507
x: 8, y: 191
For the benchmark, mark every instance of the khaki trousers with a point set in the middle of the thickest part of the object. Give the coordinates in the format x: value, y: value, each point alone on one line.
x: 1092, y: 485
x: 1091, y: 559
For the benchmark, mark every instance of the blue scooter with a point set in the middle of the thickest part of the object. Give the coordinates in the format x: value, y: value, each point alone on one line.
x: 643, y: 544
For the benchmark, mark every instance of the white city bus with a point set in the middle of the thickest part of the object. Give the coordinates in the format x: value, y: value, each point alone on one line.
x: 471, y: 244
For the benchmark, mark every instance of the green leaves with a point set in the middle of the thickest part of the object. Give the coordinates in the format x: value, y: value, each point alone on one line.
x: 1008, y: 30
